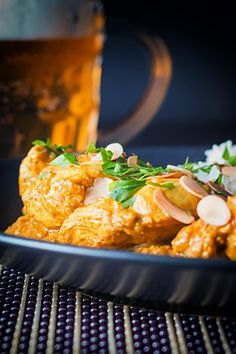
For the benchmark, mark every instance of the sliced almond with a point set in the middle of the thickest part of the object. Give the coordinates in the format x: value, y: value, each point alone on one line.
x: 115, y: 148
x: 218, y: 189
x: 132, y: 161
x: 180, y: 169
x: 192, y: 187
x: 213, y: 210
x: 100, y: 189
x: 170, y: 175
x: 228, y: 170
x: 171, y: 209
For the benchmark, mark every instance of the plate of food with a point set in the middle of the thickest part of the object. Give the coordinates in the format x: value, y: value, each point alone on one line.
x: 109, y: 223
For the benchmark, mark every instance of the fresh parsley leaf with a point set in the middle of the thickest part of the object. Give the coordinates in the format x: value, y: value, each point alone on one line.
x: 62, y: 149
x: 219, y: 180
x: 231, y: 159
x: 167, y: 185
x: 188, y: 165
x: 71, y: 157
x: 56, y: 149
x: 106, y: 154
x: 64, y: 160
x: 92, y: 148
x: 39, y: 143
x: 205, y: 169
x: 121, y: 191
x: 129, y: 202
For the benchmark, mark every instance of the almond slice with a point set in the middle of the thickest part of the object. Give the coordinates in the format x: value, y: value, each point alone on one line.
x: 100, y: 189
x: 180, y: 169
x: 116, y: 149
x: 171, y: 209
x: 218, y: 189
x: 228, y: 170
x: 213, y: 210
x: 192, y: 187
x: 170, y: 175
x: 132, y: 160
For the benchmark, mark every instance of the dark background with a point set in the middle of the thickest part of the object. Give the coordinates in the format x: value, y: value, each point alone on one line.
x: 200, y: 105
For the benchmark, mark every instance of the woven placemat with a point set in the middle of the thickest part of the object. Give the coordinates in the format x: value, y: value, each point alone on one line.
x: 37, y: 316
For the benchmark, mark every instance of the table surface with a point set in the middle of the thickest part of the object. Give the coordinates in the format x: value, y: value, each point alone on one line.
x: 37, y: 316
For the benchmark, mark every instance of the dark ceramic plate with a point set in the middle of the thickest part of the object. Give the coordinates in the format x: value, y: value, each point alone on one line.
x: 187, y: 285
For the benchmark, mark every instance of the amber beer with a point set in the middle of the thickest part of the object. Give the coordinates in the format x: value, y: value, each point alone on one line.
x: 49, y: 88
x: 50, y: 70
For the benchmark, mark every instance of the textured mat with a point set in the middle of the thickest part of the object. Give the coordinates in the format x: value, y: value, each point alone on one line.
x: 37, y: 316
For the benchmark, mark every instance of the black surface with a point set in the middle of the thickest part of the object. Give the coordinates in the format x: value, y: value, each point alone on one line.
x: 199, y: 106
x: 187, y: 285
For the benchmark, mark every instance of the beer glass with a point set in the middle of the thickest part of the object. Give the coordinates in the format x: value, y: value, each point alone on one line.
x: 50, y: 74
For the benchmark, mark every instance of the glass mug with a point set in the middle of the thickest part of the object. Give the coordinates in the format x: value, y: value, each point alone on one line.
x: 50, y: 73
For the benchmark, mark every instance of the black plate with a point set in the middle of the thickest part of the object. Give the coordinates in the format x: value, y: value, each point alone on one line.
x: 174, y: 284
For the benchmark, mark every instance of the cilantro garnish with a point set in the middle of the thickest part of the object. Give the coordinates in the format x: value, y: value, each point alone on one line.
x: 64, y: 160
x: 231, y: 159
x: 219, y: 180
x: 56, y: 149
x: 123, y: 191
x: 92, y: 148
x: 106, y: 154
x: 188, y: 165
x: 130, y: 178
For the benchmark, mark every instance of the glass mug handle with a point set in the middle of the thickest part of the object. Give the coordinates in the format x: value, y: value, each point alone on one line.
x: 145, y: 110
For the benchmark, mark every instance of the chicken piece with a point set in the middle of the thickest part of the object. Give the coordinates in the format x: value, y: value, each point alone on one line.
x: 200, y: 239
x: 105, y: 223
x: 54, y: 195
x: 203, y: 240
x: 159, y: 250
x: 101, y: 224
x: 28, y: 227
x: 36, y: 160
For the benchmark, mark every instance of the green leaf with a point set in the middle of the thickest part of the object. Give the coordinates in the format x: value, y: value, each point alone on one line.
x: 64, y: 160
x: 39, y: 143
x: 106, y: 154
x: 206, y: 169
x: 123, y: 190
x: 92, y: 148
x: 167, y: 185
x: 188, y: 165
x: 61, y: 148
x: 226, y: 154
x: 219, y: 180
x: 129, y: 202
x: 231, y: 159
x: 56, y: 149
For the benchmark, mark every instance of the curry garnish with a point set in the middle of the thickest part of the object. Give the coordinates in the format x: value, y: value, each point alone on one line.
x: 55, y: 149
x: 129, y: 178
x: 122, y: 191
x: 92, y: 149
x: 65, y: 159
x: 231, y: 159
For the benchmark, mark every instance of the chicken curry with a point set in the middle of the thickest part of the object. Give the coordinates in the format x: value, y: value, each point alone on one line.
x: 103, y: 199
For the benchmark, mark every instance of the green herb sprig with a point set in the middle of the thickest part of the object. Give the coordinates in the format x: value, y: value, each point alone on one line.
x: 129, y: 178
x: 55, y: 149
x: 92, y: 149
x: 64, y: 160
x: 231, y: 159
